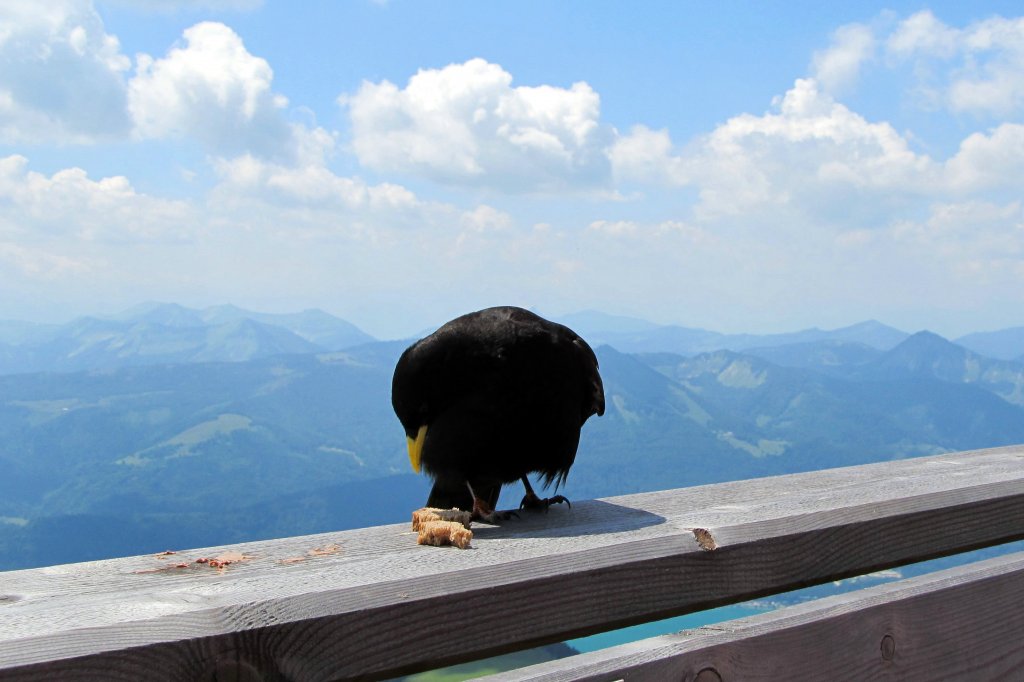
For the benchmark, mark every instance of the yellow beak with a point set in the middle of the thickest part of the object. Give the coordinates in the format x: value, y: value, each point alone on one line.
x: 416, y: 448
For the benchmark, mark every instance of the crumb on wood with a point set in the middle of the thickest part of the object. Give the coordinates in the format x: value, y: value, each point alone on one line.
x: 440, y: 533
x: 219, y: 562
x: 427, y: 514
x: 326, y: 550
x: 227, y: 558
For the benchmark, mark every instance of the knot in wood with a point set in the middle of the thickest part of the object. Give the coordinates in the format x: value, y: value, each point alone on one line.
x: 888, y: 647
x: 708, y: 675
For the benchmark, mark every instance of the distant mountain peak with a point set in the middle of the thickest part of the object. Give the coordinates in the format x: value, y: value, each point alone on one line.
x: 927, y: 334
x: 1003, y: 344
x: 925, y: 353
x: 928, y: 340
x: 166, y: 314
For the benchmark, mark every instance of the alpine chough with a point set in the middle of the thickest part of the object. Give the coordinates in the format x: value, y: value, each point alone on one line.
x: 491, y: 397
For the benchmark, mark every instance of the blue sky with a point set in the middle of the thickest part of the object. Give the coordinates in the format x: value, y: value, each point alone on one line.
x: 761, y: 167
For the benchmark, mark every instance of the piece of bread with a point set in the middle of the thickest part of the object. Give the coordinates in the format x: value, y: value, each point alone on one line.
x: 421, y: 516
x: 439, y: 533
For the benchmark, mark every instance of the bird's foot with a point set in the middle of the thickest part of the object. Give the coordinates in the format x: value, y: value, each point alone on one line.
x: 483, y: 512
x: 495, y: 517
x: 534, y: 503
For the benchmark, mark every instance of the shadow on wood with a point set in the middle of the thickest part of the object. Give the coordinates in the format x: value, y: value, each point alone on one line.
x: 585, y: 518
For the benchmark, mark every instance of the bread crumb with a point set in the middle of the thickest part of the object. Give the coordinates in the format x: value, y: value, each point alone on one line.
x: 439, y: 533
x: 421, y: 516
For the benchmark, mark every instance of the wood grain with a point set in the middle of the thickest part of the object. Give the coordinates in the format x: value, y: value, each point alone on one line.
x: 377, y: 604
x: 959, y: 624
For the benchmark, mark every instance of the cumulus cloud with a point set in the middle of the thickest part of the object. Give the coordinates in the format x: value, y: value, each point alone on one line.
x: 64, y: 79
x: 801, y: 154
x: 795, y: 203
x: 680, y: 230
x: 214, y: 90
x: 815, y: 157
x: 923, y: 34
x: 975, y: 244
x: 40, y: 264
x: 989, y: 161
x: 486, y: 219
x: 245, y: 180
x: 61, y: 74
x: 465, y: 124
x: 982, y: 228
x: 839, y: 65
x: 70, y: 204
x: 647, y: 156
x: 85, y: 239
x: 984, y: 61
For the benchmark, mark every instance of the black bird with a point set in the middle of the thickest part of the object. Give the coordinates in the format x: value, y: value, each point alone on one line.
x: 491, y: 397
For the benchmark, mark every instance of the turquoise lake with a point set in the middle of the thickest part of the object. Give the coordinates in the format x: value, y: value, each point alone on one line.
x: 664, y: 627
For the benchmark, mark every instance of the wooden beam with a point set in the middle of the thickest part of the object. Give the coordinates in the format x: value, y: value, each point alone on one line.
x: 958, y: 624
x: 372, y: 603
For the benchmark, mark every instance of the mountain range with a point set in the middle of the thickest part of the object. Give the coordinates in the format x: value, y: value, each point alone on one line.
x: 167, y: 427
x: 165, y: 333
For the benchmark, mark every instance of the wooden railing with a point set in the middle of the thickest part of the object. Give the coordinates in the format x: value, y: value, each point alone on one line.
x: 370, y: 603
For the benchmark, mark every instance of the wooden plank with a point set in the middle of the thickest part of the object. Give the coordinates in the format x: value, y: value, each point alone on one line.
x: 380, y: 605
x: 958, y: 624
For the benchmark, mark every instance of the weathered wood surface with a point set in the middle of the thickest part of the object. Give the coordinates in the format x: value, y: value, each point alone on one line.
x: 963, y: 623
x: 381, y: 605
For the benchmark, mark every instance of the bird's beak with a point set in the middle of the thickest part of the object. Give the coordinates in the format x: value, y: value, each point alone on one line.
x: 416, y: 447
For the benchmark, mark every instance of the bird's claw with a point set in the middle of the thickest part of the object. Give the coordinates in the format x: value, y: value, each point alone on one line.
x: 534, y: 503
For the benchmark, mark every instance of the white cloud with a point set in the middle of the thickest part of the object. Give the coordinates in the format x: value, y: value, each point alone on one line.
x: 247, y: 179
x: 68, y: 204
x: 646, y: 156
x: 35, y: 263
x: 268, y: 233
x: 839, y: 65
x: 466, y: 125
x: 977, y: 229
x: 61, y: 74
x: 213, y: 90
x: 63, y: 79
x: 984, y: 61
x: 969, y: 252
x: 678, y: 230
x: 615, y: 228
x: 811, y: 154
x: 486, y: 219
x: 992, y: 161
x: 923, y: 34
x: 804, y: 205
